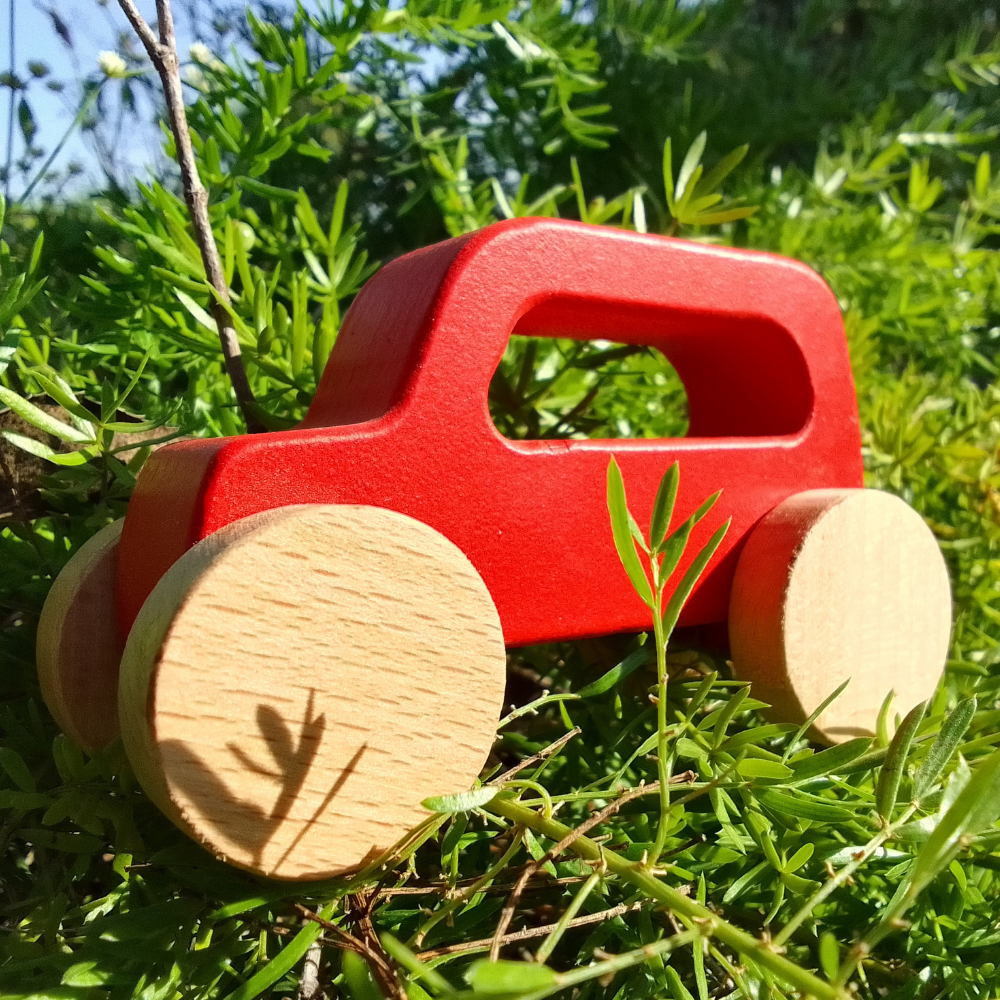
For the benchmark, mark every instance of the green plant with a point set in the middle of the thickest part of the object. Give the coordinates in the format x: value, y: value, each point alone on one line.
x: 663, y: 552
x: 335, y: 135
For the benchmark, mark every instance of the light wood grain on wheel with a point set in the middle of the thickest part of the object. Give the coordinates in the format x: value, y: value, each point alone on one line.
x: 299, y: 681
x: 838, y: 584
x: 78, y: 648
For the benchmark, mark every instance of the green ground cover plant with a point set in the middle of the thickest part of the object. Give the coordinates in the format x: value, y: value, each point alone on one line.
x: 617, y: 847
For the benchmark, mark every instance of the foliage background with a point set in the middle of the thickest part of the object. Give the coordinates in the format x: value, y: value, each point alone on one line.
x: 339, y: 136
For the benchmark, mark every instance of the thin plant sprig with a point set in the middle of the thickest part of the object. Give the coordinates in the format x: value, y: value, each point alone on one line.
x: 663, y: 554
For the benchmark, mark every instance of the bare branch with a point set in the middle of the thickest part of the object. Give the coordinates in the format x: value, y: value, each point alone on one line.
x: 541, y: 755
x: 532, y: 932
x: 143, y: 30
x: 162, y: 53
x: 309, y: 980
x: 358, y: 908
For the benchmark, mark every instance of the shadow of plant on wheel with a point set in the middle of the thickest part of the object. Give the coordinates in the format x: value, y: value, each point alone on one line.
x: 233, y: 806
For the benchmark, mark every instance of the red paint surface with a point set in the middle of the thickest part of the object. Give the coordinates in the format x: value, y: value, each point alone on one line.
x: 401, y: 419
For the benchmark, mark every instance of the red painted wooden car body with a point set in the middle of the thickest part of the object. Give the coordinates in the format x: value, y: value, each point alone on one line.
x: 401, y: 419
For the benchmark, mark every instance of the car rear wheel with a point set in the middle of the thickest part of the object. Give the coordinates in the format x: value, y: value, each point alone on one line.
x: 836, y: 585
x: 78, y: 649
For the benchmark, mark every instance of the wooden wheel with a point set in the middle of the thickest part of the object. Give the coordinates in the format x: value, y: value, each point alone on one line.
x: 78, y: 648
x: 838, y: 584
x: 300, y: 680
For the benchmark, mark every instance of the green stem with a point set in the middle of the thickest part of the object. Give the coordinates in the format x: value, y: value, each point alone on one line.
x: 841, y: 877
x: 466, y: 894
x: 626, y: 960
x: 549, y: 944
x: 662, y: 758
x: 532, y: 707
x: 709, y: 922
x: 85, y: 105
x: 889, y: 922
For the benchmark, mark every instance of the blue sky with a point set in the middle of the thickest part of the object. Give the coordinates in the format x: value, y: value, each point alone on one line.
x: 93, y: 26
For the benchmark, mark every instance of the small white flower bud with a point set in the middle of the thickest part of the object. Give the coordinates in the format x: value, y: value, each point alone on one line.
x: 112, y: 64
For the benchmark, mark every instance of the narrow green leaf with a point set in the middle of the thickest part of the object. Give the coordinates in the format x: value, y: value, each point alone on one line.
x: 40, y: 419
x: 683, y: 590
x: 108, y: 401
x: 454, y: 833
x: 668, y: 175
x: 174, y: 257
x: 618, y: 509
x: 12, y: 762
x: 727, y: 713
x: 663, y: 506
x: 799, y: 858
x: 617, y: 673
x: 745, y: 881
x: 268, y: 191
x: 358, y: 978
x: 300, y: 322
x: 8, y: 347
x: 461, y: 801
x: 33, y: 447
x: 805, y: 808
x: 509, y: 977
x: 829, y: 955
x: 690, y: 164
x: 887, y: 785
x: 306, y: 215
x: 831, y: 760
x: 759, y: 827
x: 581, y: 201
x: 690, y: 749
x: 200, y: 314
x: 757, y: 735
x: 726, y: 215
x: 685, y: 195
x: 754, y: 767
x: 983, y: 175
x: 976, y: 808
x: 882, y: 722
x: 413, y: 965
x: 10, y: 799
x: 243, y: 241
x: 800, y: 886
x: 943, y: 747
x: 723, y: 169
x: 817, y: 712
x: 674, y: 546
x: 633, y: 527
x: 88, y: 974
x: 284, y: 961
x: 337, y: 222
x: 698, y: 949
x: 698, y: 698
x: 63, y: 395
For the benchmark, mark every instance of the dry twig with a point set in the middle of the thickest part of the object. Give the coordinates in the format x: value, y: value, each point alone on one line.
x: 309, y: 980
x: 531, y: 932
x: 541, y: 755
x: 162, y: 53
x: 489, y: 890
x: 358, y: 909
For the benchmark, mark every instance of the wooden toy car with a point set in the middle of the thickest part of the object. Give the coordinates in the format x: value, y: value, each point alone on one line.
x: 316, y: 619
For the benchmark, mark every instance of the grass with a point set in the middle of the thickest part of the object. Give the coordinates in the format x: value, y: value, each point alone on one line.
x: 772, y: 867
